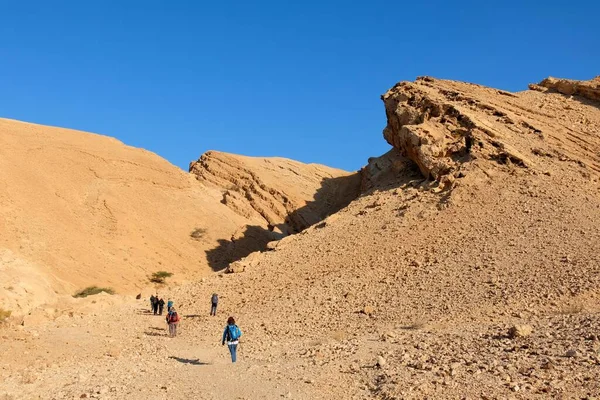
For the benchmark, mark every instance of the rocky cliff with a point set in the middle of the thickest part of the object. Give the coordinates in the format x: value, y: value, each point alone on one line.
x: 587, y: 89
x: 285, y: 195
x: 443, y: 125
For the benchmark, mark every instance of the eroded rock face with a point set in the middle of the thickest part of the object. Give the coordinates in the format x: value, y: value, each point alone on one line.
x: 285, y: 195
x: 587, y: 89
x: 409, y: 111
x: 444, y: 125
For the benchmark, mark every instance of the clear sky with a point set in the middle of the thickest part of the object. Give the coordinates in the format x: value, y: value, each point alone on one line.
x: 298, y: 79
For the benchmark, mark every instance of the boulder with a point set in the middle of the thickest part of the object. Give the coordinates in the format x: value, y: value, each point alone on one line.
x: 520, y: 331
x: 368, y: 310
x: 235, y: 267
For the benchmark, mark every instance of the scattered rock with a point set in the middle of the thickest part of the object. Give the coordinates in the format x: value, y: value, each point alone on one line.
x: 548, y: 365
x: 368, y: 310
x: 571, y: 353
x: 520, y: 331
x: 235, y: 268
x: 381, y: 362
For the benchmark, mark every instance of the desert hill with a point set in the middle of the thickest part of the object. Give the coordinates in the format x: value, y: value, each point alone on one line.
x: 80, y: 209
x: 483, y: 217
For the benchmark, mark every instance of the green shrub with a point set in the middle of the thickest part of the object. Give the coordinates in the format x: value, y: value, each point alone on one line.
x: 197, y: 233
x: 4, y: 314
x: 160, y: 276
x: 91, y: 290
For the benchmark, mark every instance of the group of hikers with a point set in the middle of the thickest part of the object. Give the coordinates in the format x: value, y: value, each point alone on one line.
x: 157, y: 304
x: 231, y: 334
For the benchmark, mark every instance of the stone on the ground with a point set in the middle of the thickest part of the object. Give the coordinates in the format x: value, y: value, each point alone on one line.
x: 520, y: 331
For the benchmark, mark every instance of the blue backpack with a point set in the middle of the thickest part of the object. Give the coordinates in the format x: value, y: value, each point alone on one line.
x: 233, y: 332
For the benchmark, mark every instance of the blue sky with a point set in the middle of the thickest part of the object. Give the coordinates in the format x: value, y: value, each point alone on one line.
x: 297, y: 79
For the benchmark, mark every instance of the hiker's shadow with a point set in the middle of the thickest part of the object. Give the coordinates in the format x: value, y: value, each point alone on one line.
x: 155, y: 333
x: 189, y: 361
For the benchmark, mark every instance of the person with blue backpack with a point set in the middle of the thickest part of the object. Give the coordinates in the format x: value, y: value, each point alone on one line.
x: 232, y: 335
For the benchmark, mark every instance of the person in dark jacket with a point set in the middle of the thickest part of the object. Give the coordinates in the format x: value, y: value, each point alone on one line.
x: 214, y: 301
x: 232, y: 335
x: 161, y: 306
x: 155, y: 305
x: 151, y: 302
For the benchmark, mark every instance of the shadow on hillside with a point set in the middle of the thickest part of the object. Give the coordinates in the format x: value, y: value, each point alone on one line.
x: 333, y: 195
x: 189, y: 361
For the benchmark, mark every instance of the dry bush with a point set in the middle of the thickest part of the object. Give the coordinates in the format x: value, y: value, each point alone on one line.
x: 416, y: 325
x: 160, y: 276
x: 4, y: 314
x: 198, y: 233
x: 92, y: 290
x: 574, y: 308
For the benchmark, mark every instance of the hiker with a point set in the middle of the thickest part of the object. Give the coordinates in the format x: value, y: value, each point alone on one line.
x: 155, y: 305
x: 172, y: 320
x: 169, y: 304
x: 151, y: 302
x: 161, y: 305
x: 213, y: 308
x: 231, y: 335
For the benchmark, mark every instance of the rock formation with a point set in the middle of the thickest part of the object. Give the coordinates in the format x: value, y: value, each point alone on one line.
x: 441, y: 125
x: 286, y: 195
x: 587, y: 89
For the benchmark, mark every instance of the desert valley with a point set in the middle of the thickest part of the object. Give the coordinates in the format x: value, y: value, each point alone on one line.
x: 464, y: 263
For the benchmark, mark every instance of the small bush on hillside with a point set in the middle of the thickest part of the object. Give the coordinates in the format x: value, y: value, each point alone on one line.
x: 570, y: 309
x: 198, y: 233
x: 4, y: 314
x: 416, y: 325
x: 91, y: 290
x: 160, y: 276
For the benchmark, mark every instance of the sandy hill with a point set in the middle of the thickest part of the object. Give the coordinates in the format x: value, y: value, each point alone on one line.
x: 483, y: 217
x: 79, y: 209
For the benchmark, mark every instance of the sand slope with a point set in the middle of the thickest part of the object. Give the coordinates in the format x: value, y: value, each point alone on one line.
x: 82, y: 209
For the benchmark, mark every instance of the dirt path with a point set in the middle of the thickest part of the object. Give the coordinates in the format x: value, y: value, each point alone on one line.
x: 102, y: 356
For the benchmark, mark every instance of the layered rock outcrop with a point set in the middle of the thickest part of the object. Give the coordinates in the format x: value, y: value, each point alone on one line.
x: 440, y: 125
x: 284, y: 195
x: 586, y: 89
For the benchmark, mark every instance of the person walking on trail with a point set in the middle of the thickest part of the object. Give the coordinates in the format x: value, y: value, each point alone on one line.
x: 161, y: 306
x: 169, y: 305
x: 214, y: 301
x: 172, y: 320
x: 155, y: 305
x: 151, y: 302
x: 232, y: 335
